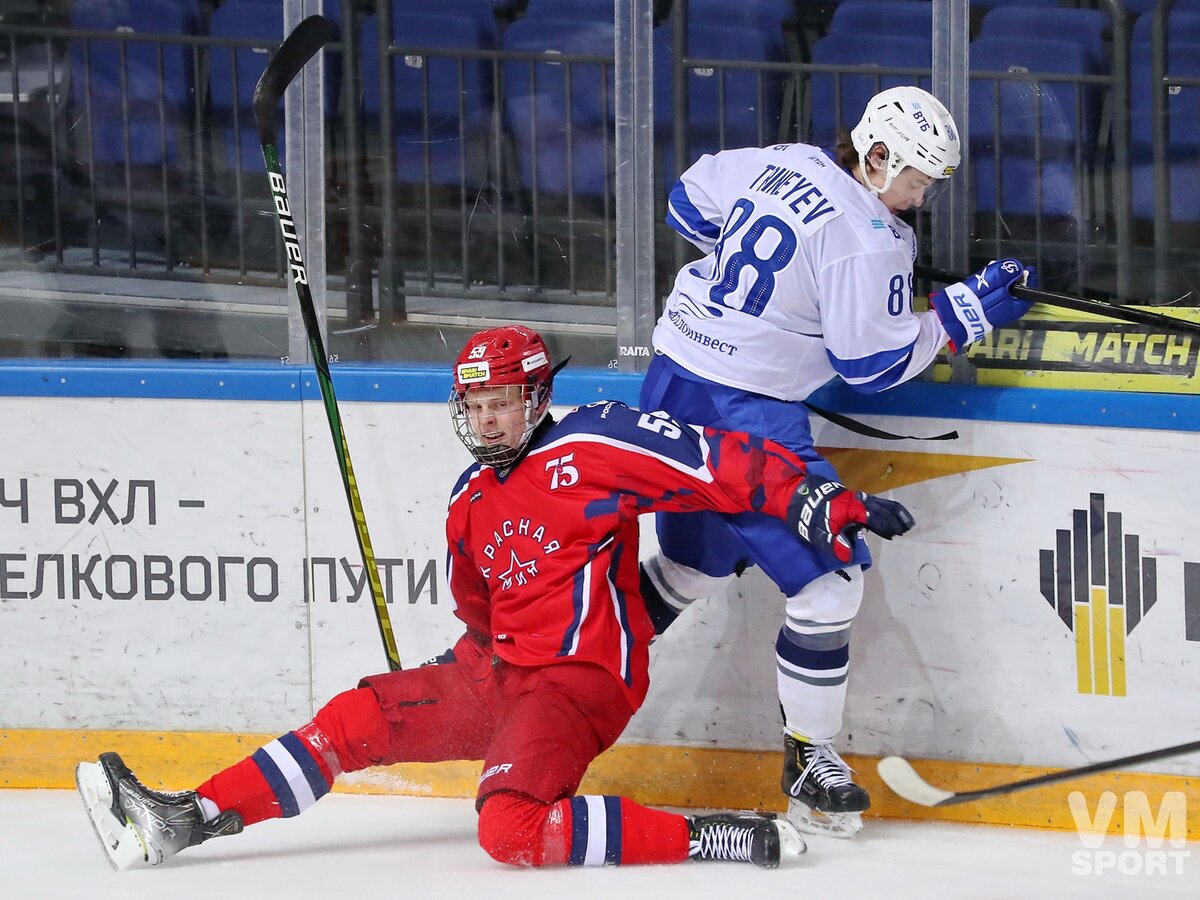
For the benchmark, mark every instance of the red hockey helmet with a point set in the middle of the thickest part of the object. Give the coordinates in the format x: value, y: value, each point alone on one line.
x: 509, y: 356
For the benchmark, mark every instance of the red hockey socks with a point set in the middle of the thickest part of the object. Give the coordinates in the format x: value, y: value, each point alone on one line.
x: 290, y: 774
x: 598, y: 831
x: 284, y: 778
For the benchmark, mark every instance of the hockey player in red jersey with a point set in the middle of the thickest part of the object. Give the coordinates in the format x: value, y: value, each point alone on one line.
x: 543, y: 566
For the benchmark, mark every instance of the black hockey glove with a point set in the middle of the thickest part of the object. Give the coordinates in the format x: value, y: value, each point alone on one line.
x: 829, y: 516
x: 886, y: 518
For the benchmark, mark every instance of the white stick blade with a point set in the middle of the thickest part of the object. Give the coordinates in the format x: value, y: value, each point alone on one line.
x: 903, y: 779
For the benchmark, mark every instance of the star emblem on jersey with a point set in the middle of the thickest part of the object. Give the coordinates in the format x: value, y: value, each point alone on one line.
x: 518, y: 572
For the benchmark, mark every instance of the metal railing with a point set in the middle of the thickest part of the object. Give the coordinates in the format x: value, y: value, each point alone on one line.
x: 409, y: 244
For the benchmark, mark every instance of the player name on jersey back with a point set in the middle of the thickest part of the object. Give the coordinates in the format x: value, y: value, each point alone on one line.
x: 795, y: 191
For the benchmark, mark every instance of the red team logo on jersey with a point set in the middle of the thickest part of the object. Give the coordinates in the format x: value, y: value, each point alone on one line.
x: 522, y: 566
x: 518, y: 572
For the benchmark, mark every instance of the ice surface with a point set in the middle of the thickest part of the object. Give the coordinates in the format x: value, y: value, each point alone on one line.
x: 353, y: 847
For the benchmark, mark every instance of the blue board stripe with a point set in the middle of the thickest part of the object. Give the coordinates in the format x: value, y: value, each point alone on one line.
x: 431, y: 384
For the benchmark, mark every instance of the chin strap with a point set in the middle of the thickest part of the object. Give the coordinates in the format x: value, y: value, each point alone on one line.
x: 865, y: 179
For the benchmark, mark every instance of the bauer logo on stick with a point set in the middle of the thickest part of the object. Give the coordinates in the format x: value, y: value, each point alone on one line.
x: 287, y: 227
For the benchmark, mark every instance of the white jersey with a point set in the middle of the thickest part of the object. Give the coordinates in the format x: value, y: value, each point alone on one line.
x: 808, y: 275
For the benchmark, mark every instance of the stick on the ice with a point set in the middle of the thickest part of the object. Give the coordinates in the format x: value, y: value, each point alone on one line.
x: 297, y: 49
x: 899, y: 775
x: 1066, y: 301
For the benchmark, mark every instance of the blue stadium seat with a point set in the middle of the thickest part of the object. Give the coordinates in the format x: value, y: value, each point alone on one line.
x: 1044, y: 126
x: 765, y: 14
x: 260, y: 20
x: 1142, y: 7
x: 230, y: 93
x: 441, y: 104
x: 561, y: 114
x: 992, y: 4
x: 1183, y: 24
x: 1090, y: 28
x: 855, y: 89
x: 768, y: 17
x: 1183, y: 145
x: 883, y: 17
x: 113, y: 84
x: 481, y: 12
x: 590, y: 11
x: 734, y: 107
x: 756, y: 13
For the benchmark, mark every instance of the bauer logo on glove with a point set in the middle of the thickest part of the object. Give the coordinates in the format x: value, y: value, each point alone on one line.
x: 829, y: 516
x: 970, y: 309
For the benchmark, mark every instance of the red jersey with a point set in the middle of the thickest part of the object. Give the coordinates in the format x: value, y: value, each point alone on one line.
x: 544, y: 559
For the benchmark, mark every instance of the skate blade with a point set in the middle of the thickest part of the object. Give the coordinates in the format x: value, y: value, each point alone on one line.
x: 121, y: 842
x: 809, y: 821
x: 791, y: 843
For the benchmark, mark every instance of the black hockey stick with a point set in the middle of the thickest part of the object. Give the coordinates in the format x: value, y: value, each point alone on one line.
x: 898, y: 774
x: 1066, y: 301
x: 298, y: 48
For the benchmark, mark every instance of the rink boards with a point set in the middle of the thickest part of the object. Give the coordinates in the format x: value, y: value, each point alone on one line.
x: 179, y: 557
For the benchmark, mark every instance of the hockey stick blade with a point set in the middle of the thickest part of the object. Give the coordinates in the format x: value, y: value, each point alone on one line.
x: 899, y: 775
x: 1079, y: 304
x: 298, y: 48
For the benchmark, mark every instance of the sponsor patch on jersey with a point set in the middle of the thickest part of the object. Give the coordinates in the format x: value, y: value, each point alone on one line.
x: 878, y: 224
x: 530, y: 363
x: 474, y: 372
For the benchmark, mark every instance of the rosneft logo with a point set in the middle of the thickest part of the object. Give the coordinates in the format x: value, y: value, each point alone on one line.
x: 1101, y: 586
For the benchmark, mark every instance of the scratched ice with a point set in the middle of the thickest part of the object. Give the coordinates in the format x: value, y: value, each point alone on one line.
x: 405, y: 847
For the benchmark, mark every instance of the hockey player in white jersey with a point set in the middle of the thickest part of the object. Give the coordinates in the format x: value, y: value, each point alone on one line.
x: 808, y: 276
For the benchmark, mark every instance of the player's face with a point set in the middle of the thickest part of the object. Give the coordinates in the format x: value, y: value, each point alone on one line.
x: 907, y: 191
x: 497, y: 414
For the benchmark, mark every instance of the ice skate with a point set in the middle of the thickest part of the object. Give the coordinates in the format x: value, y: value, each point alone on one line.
x: 744, y: 837
x: 822, y: 799
x: 138, y: 827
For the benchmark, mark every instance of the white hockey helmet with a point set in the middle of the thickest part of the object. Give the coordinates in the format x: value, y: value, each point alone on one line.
x: 915, y: 127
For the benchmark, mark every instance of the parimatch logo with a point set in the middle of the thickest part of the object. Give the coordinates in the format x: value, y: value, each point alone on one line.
x: 1145, y: 832
x: 1101, y: 586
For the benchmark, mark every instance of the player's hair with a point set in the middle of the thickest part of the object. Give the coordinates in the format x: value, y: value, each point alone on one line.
x: 844, y: 152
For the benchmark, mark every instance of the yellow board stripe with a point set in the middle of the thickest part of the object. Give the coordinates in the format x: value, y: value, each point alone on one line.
x: 658, y: 776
